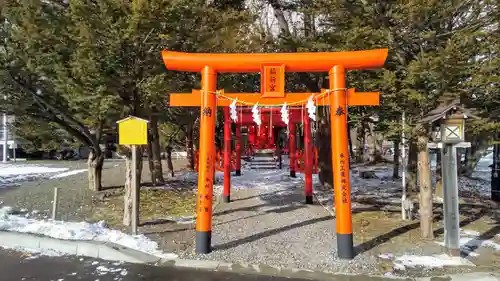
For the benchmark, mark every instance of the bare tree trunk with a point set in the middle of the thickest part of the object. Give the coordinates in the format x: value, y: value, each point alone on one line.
x: 157, y: 173
x: 439, y: 178
x: 325, y: 172
x: 189, y: 146
x: 424, y: 171
x: 373, y: 144
x: 360, y: 143
x: 475, y: 153
x: 95, y: 163
x: 397, y: 152
x: 127, y: 197
x: 150, y: 162
x: 170, y: 165
x: 349, y: 140
x: 412, y: 168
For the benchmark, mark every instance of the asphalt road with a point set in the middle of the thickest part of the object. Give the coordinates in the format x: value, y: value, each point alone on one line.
x: 15, y: 266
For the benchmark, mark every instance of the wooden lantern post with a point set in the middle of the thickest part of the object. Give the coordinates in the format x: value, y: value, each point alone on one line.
x: 448, y: 134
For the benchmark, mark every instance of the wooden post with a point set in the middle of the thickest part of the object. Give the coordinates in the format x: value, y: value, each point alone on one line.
x: 291, y: 149
x: 206, y: 162
x: 55, y: 203
x: 133, y: 131
x: 308, y: 155
x: 495, y: 174
x: 227, y: 155
x: 404, y: 209
x: 135, y: 195
x: 340, y: 161
x: 238, y: 149
x: 450, y: 206
x: 5, y: 139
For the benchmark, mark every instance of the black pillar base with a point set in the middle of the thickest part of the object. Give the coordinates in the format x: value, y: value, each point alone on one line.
x: 227, y: 199
x: 237, y: 173
x: 203, y: 242
x: 292, y: 174
x: 309, y: 199
x: 345, y: 246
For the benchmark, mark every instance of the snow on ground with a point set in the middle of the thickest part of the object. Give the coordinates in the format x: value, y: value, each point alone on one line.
x: 437, y: 261
x: 381, y: 186
x: 34, y: 253
x: 78, y: 231
x: 10, y: 174
x: 69, y: 173
x: 470, y: 240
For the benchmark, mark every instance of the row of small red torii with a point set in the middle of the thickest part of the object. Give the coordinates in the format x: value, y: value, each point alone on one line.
x: 272, y: 68
x: 263, y: 137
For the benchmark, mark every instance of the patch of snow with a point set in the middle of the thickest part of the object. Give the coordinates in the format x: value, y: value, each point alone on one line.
x: 469, y: 244
x: 79, y: 231
x: 35, y: 253
x: 272, y: 180
x: 67, y: 174
x: 470, y: 240
x: 386, y: 256
x: 16, y: 170
x: 12, y: 174
x: 437, y: 261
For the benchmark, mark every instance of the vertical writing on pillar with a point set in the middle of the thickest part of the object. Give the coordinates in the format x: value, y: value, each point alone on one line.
x: 343, y: 178
x: 204, y: 200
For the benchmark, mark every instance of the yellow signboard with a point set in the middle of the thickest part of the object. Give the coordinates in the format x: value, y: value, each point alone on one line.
x: 133, y: 131
x: 273, y: 81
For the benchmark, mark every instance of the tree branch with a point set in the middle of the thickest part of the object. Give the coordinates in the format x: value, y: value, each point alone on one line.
x: 28, y: 90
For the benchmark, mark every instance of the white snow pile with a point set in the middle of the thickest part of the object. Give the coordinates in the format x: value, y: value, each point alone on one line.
x: 262, y: 179
x: 13, y: 173
x: 437, y: 261
x: 470, y: 241
x: 103, y: 270
x: 35, y: 253
x: 79, y: 231
x: 69, y: 173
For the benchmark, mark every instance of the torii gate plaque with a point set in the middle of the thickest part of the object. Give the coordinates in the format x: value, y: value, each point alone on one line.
x: 272, y: 68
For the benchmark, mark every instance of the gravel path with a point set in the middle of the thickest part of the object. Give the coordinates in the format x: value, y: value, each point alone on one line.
x: 277, y: 229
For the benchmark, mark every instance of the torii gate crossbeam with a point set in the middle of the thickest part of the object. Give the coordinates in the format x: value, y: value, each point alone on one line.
x: 272, y: 67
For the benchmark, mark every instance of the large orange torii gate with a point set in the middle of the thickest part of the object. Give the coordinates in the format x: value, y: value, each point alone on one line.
x: 272, y: 67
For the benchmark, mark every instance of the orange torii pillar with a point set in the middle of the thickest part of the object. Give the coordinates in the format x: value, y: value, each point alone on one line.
x: 238, y: 150
x: 340, y: 162
x: 272, y: 68
x: 291, y: 149
x: 308, y: 154
x: 227, y: 155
